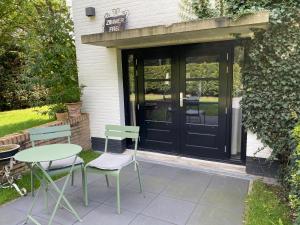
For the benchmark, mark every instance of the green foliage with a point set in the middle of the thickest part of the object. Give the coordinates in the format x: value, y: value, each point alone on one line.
x: 57, y: 108
x: 265, y: 205
x: 51, y: 52
x: 208, y: 8
x: 14, y: 92
x: 294, y: 179
x: 271, y: 80
x: 204, y: 9
x: 237, y: 8
x: 37, y: 54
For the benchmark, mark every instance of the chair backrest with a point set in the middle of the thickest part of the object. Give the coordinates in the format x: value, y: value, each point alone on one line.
x: 47, y: 133
x: 122, y: 132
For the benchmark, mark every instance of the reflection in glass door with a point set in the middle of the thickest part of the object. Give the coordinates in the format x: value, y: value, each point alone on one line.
x: 156, y: 113
x: 201, y: 105
x: 182, y: 96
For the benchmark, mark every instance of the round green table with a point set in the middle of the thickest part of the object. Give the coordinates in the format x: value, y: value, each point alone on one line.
x: 46, y: 153
x: 49, y: 153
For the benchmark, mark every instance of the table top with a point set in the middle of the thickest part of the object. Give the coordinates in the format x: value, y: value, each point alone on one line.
x: 47, y: 153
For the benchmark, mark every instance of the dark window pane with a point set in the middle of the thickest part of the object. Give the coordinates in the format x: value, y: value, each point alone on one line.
x: 132, y: 94
x: 157, y: 68
x: 158, y: 100
x: 157, y: 90
x: 202, y: 102
x: 202, y: 67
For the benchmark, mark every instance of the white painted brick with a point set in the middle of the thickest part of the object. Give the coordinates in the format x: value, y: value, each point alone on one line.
x: 100, y: 68
x: 253, y: 146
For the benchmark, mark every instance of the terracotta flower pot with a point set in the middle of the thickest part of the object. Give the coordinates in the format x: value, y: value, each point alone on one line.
x: 74, y: 109
x: 62, y: 116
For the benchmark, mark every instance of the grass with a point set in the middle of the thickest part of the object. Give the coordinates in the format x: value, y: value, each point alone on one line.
x: 266, y: 206
x: 89, y: 155
x: 9, y: 194
x: 17, y: 120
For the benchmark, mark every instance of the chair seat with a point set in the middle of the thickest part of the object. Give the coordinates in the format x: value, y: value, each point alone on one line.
x: 110, y: 161
x: 62, y: 163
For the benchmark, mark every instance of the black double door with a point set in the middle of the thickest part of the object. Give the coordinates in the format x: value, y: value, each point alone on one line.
x: 183, y: 97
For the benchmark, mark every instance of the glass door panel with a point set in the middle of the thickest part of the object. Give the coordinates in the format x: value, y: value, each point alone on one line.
x: 202, y: 104
x: 158, y: 128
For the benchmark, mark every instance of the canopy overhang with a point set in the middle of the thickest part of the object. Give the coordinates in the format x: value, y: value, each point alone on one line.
x: 206, y: 30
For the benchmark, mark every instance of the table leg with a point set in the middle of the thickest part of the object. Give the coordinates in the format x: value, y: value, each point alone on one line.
x: 60, y: 192
x: 44, y: 184
x: 31, y: 207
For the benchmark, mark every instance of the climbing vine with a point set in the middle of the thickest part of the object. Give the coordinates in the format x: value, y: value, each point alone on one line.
x: 271, y: 81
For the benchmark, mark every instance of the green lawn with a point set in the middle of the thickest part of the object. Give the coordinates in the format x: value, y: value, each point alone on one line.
x: 10, y: 194
x: 18, y: 120
x: 266, y: 206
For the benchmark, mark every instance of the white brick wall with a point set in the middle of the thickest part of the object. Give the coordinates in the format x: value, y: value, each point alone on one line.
x: 100, y: 68
x: 253, y: 146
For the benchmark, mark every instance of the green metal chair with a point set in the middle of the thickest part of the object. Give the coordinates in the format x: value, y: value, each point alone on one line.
x: 58, y: 166
x: 112, y: 163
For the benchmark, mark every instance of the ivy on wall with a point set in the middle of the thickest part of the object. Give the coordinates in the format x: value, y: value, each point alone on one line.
x: 294, y: 195
x: 271, y: 75
x: 271, y: 79
x: 271, y: 83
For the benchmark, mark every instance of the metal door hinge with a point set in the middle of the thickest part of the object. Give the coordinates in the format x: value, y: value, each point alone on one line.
x: 227, y: 69
x: 225, y: 148
x: 226, y: 110
x: 227, y: 56
x: 138, y: 106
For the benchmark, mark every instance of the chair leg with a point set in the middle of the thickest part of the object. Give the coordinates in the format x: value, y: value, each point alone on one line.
x: 139, y: 176
x: 32, y: 182
x: 83, y: 181
x: 107, y: 181
x: 85, y: 190
x: 45, y: 184
x: 118, y: 193
x: 72, y: 179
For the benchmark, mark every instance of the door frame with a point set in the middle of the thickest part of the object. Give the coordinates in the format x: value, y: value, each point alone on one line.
x: 226, y: 45
x: 220, y: 49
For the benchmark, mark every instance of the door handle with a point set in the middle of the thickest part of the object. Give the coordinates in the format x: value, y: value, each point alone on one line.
x: 181, y: 98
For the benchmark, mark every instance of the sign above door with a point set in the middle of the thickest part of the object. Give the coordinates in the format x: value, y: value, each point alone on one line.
x: 116, y: 20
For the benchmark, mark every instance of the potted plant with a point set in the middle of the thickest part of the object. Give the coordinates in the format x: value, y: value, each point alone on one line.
x: 72, y: 98
x: 59, y: 111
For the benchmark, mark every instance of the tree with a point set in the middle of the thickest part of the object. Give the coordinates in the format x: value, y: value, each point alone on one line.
x: 51, y: 51
x: 12, y: 92
x: 38, y: 61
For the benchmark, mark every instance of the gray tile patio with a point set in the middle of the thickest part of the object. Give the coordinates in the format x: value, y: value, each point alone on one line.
x: 172, y: 196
